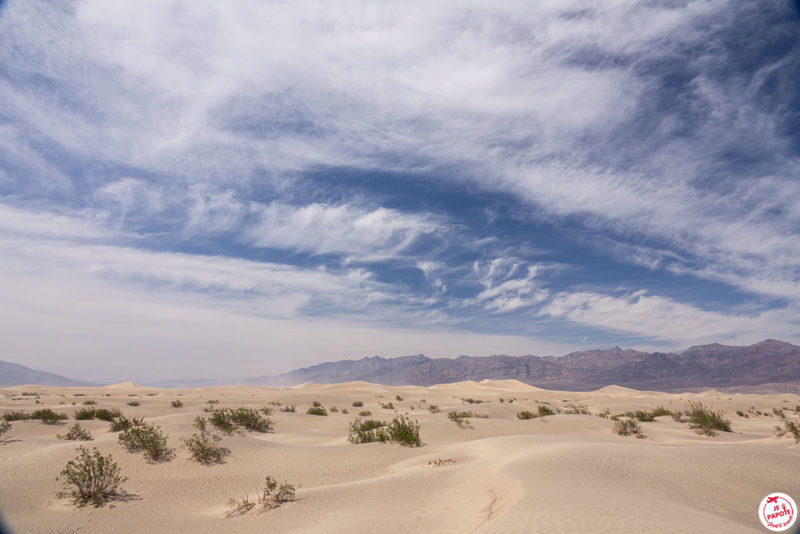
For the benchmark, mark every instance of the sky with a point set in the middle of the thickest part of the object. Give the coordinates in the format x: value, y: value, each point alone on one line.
x: 223, y: 189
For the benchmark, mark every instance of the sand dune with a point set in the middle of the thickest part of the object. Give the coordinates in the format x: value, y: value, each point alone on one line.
x: 563, y: 473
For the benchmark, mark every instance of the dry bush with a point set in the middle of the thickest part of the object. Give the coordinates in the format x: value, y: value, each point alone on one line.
x: 76, y: 433
x: 628, y: 427
x: 91, y: 478
x: 272, y: 496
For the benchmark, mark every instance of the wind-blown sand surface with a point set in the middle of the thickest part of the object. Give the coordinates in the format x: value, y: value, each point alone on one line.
x: 563, y: 473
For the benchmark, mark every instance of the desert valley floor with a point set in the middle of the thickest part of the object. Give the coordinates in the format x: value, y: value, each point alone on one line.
x: 559, y: 473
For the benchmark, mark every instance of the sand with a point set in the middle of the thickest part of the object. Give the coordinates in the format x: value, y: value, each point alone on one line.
x: 563, y: 473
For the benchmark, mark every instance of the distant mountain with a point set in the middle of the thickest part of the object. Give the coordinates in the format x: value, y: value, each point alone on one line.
x: 771, y: 363
x: 12, y: 374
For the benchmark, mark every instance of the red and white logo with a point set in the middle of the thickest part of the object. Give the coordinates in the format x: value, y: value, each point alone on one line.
x: 777, y: 512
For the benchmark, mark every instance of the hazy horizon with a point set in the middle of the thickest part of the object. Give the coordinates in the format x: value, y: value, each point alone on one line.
x: 191, y: 190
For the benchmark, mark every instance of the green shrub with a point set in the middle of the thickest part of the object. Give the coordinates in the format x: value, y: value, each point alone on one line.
x: 316, y: 404
x: 317, y: 410
x: 576, y: 409
x: 177, y: 403
x: 660, y: 411
x: 459, y: 418
x: 122, y: 423
x: 107, y: 415
x: 365, y: 413
x: 740, y: 413
x: 433, y: 408
x: 16, y: 415
x: 90, y: 478
x: 148, y: 439
x: 705, y: 421
x: 228, y: 421
x: 641, y: 416
x: 368, y: 431
x: 404, y: 431
x: 132, y: 403
x: 398, y: 398
x: 358, y: 404
x: 203, y: 447
x: 289, y: 408
x: 89, y: 402
x: 272, y: 496
x: 334, y: 409
x: 472, y: 401
x: 545, y: 410
x: 779, y: 412
x: 76, y: 433
x: 793, y: 429
x: 48, y: 416
x: 4, y: 427
x: 628, y: 427
x: 525, y: 414
x: 344, y: 411
x: 83, y: 414
x: 266, y: 410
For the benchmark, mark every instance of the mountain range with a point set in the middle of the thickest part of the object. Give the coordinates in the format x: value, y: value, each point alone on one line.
x: 768, y: 366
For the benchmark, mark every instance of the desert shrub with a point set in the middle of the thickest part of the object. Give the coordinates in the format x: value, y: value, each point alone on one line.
x: 83, y: 414
x: 525, y: 414
x: 4, y: 427
x: 433, y: 408
x: 29, y: 394
x: 660, y: 411
x: 316, y: 404
x: 677, y: 416
x: 251, y: 420
x: 16, y: 415
x: 472, y: 401
x: 779, y: 412
x: 148, y: 439
x: 387, y: 406
x: 203, y: 446
x: 132, y: 403
x: 459, y: 418
x: 705, y: 421
x: 404, y: 431
x: 334, y: 409
x: 793, y: 429
x: 266, y: 410
x: 122, y: 423
x: 740, y: 413
x: 344, y: 411
x: 76, y: 433
x: 275, y: 403
x: 576, y: 409
x: 358, y: 404
x: 365, y: 413
x: 177, y: 404
x: 543, y: 410
x: 398, y: 398
x: 89, y: 402
x: 290, y: 408
x: 641, y: 416
x: 272, y: 496
x: 78, y: 394
x: 222, y: 419
x: 317, y: 410
x: 605, y: 414
x: 48, y: 416
x: 107, y: 415
x: 212, y: 401
x: 368, y: 431
x: 628, y: 427
x: 90, y: 478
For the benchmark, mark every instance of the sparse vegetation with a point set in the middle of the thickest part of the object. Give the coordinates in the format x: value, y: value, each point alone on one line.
x: 147, y: 438
x: 334, y: 409
x: 122, y: 423
x: 628, y: 427
x: 4, y: 427
x: 705, y: 421
x: 91, y: 478
x: 661, y: 411
x: 177, y: 404
x: 398, y: 398
x: 387, y: 406
x: 132, y: 403
x: 779, y: 412
x: 365, y: 413
x: 793, y: 429
x: 401, y: 429
x: 472, y: 401
x: 459, y: 418
x: 357, y: 404
x: 272, y: 496
x: 107, y: 415
x: 641, y: 416
x: 76, y: 433
x: 317, y: 410
x: 45, y: 415
x: 203, y: 446
x: 316, y: 404
x: 433, y: 408
x: 740, y: 413
x: 439, y: 462
x: 89, y: 402
x: 526, y: 414
x: 543, y: 410
x: 83, y: 414
x: 290, y: 408
x: 576, y: 409
x: 229, y: 421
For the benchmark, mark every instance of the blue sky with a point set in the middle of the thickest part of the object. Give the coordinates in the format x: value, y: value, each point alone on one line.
x: 195, y: 189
